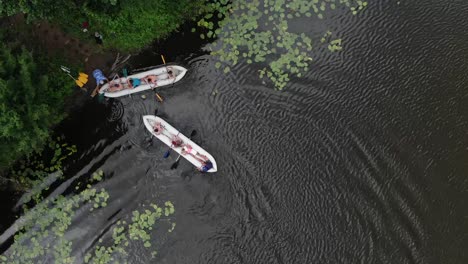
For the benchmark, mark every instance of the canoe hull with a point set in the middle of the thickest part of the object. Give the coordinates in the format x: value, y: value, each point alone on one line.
x: 150, y: 120
x: 179, y: 72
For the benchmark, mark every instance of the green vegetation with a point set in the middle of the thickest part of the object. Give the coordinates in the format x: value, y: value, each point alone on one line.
x: 131, y: 25
x: 32, y: 89
x: 30, y: 173
x: 32, y: 95
x: 258, y: 31
x: 44, y: 228
x: 137, y: 230
x: 126, y: 25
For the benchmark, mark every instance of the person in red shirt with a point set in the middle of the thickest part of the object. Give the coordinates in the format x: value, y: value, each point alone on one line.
x: 85, y: 26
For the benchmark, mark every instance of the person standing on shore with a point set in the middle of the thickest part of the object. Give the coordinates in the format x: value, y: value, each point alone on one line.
x: 98, y: 38
x: 84, y: 26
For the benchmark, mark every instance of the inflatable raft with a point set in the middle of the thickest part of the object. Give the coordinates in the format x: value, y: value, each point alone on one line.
x: 179, y: 143
x: 143, y: 81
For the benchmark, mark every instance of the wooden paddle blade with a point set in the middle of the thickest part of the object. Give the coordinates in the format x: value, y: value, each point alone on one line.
x: 174, y: 166
x: 159, y: 98
x: 95, y: 91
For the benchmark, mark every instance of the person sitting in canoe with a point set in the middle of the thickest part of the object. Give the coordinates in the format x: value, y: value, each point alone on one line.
x: 176, y: 142
x: 157, y: 128
x: 167, y: 75
x: 151, y: 79
x: 188, y: 150
x: 206, y: 164
x: 133, y: 83
x: 114, y: 87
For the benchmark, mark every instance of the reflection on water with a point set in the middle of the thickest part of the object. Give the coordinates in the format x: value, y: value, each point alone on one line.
x: 361, y: 161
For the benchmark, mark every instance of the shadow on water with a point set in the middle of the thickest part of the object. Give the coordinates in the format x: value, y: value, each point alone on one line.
x: 179, y: 47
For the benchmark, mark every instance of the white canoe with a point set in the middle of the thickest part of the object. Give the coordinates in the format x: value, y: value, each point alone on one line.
x: 119, y: 86
x: 166, y: 136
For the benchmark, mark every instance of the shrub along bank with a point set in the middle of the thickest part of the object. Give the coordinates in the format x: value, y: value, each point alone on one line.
x: 125, y: 25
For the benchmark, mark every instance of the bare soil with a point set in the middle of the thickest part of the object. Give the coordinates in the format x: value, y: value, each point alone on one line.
x: 75, y: 51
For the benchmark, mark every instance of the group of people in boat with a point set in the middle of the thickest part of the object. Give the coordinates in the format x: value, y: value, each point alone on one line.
x: 117, y: 85
x: 187, y: 149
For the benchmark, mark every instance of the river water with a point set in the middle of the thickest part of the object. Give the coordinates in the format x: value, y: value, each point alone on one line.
x: 362, y: 160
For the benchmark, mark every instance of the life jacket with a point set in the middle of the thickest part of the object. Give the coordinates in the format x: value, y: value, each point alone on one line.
x: 208, y: 166
x: 134, y: 82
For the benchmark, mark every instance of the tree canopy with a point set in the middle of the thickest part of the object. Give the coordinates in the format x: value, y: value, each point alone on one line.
x: 134, y: 24
x: 126, y: 25
x: 31, y: 102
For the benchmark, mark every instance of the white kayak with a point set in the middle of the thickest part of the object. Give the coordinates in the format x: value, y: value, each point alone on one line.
x: 167, y: 133
x: 151, y: 79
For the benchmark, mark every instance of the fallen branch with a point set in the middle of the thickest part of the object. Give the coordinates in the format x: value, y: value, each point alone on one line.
x: 119, y: 61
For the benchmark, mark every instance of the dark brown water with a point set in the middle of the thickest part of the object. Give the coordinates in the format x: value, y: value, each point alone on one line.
x: 363, y: 160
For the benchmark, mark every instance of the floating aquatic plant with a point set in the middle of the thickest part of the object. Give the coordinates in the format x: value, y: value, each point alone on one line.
x: 43, y: 228
x: 335, y: 45
x: 32, y: 171
x: 259, y: 31
x: 34, y: 167
x: 137, y: 230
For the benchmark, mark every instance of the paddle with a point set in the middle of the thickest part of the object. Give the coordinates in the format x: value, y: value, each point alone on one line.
x: 176, y: 163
